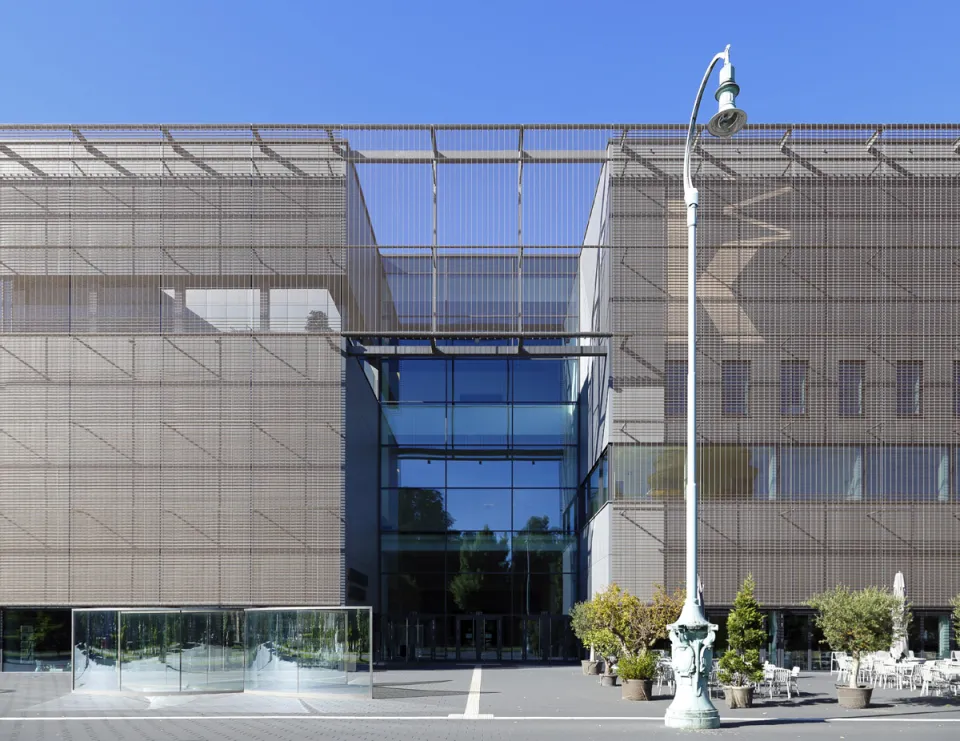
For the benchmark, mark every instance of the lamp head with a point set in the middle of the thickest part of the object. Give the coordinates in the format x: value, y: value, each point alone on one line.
x: 729, y: 119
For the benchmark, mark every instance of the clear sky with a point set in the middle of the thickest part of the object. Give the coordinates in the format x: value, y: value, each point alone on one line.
x: 516, y: 61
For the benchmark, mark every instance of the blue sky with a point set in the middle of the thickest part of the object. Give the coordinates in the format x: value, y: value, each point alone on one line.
x: 610, y: 61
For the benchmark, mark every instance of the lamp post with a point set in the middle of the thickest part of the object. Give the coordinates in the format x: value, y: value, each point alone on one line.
x: 692, y: 636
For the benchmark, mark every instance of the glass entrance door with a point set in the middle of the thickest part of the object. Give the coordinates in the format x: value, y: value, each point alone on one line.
x: 479, y: 638
x: 492, y: 639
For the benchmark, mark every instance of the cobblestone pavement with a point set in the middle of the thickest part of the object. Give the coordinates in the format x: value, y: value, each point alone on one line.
x: 499, y: 702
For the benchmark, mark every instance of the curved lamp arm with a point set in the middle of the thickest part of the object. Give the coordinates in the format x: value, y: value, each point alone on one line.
x: 689, y: 193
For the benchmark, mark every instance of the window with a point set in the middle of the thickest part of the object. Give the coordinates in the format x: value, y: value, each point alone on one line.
x: 821, y: 473
x: 850, y: 379
x: 675, y: 393
x: 793, y: 387
x: 908, y: 474
x: 909, y: 385
x: 736, y: 384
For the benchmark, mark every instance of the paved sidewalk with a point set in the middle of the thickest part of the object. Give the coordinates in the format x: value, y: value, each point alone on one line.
x: 452, y: 702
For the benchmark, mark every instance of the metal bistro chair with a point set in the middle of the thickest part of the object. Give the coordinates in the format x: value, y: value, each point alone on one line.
x: 781, y: 681
x: 665, y: 676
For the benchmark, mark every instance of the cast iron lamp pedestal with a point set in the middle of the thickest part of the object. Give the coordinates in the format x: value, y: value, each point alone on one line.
x: 692, y: 636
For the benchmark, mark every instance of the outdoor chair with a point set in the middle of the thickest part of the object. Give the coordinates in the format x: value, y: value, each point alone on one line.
x: 884, y: 672
x: 794, y: 677
x: 781, y: 681
x: 843, y: 674
x: 933, y: 682
x: 665, y: 676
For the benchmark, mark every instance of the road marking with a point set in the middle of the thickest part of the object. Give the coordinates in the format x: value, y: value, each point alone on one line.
x: 472, y: 711
x: 510, y: 718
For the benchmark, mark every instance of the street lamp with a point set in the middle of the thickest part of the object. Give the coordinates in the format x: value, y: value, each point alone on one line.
x: 692, y: 636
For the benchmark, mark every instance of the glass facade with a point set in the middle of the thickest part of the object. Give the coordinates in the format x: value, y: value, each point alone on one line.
x: 842, y: 473
x: 35, y: 640
x: 315, y: 650
x: 478, y: 507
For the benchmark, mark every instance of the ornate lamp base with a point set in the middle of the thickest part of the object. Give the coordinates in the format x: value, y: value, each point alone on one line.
x: 692, y: 638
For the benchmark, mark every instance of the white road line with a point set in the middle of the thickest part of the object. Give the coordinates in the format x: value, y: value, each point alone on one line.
x: 472, y: 711
x: 510, y: 718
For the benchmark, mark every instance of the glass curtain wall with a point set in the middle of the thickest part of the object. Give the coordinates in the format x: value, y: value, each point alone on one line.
x: 298, y: 651
x: 478, y: 508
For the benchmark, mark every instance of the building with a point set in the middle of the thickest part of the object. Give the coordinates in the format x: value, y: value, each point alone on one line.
x: 439, y: 370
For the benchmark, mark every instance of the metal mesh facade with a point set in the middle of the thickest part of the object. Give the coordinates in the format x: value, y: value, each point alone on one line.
x: 178, y: 303
x: 171, y: 373
x: 827, y: 357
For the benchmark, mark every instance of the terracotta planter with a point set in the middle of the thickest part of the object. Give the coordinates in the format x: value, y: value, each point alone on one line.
x: 608, y: 680
x: 590, y: 668
x: 636, y: 689
x: 738, y: 697
x: 855, y: 698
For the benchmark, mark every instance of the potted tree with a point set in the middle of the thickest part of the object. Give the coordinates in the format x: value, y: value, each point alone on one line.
x: 628, y: 628
x: 582, y: 620
x: 740, y: 665
x: 636, y: 674
x: 857, y: 622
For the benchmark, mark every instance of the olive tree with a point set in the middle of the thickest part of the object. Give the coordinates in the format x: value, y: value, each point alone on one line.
x: 857, y: 622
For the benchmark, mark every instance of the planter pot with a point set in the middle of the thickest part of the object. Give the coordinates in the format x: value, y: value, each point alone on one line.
x: 636, y: 689
x: 590, y: 668
x: 608, y: 680
x: 738, y: 697
x: 854, y: 698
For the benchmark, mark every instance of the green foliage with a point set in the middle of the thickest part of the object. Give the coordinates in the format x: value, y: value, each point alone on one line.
x: 482, y: 555
x: 857, y: 622
x: 740, y: 664
x: 616, y: 623
x: 641, y: 666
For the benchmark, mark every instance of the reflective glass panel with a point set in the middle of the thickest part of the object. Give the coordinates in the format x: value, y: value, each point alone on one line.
x: 793, y: 387
x: 412, y: 470
x: 492, y: 471
x: 821, y: 473
x: 481, y: 424
x: 416, y: 380
x: 675, y: 392
x: 544, y: 424
x: 476, y: 509
x: 35, y: 640
x: 151, y: 651
x: 724, y: 471
x: 414, y: 424
x: 413, y: 510
x: 227, y: 309
x: 905, y: 473
x: 303, y: 310
x: 472, y: 592
x: 535, y: 472
x: 537, y: 509
x: 544, y: 552
x: 412, y: 553
x: 95, y: 664
x: 909, y: 387
x: 477, y: 381
x: 851, y: 375
x: 736, y: 387
x: 541, y: 380
x: 273, y: 641
x: 212, y: 655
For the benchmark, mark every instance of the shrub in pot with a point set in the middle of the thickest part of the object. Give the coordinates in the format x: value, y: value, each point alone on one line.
x: 636, y: 676
x: 858, y: 623
x: 583, y: 623
x: 740, y: 666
